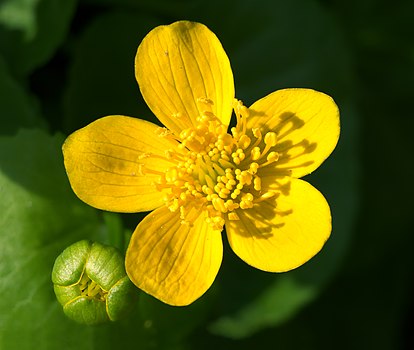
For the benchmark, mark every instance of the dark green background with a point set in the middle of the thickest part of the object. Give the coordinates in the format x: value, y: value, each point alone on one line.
x: 65, y: 63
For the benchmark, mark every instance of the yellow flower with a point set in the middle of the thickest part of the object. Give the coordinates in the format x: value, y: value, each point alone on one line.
x: 198, y: 177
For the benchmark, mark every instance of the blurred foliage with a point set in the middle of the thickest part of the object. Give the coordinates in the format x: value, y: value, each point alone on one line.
x: 64, y: 63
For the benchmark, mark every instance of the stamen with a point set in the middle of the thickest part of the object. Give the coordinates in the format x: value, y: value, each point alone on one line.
x: 271, y: 158
x: 233, y: 216
x: 244, y: 142
x: 91, y: 289
x: 215, y: 171
x: 270, y: 139
x: 165, y: 133
x: 205, y: 100
x: 257, y: 134
x: 265, y: 196
x: 255, y: 153
x: 257, y: 182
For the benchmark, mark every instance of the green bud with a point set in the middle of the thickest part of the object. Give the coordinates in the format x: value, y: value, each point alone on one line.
x: 91, y: 284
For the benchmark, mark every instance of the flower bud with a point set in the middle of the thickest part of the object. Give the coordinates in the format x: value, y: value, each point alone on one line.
x: 91, y: 284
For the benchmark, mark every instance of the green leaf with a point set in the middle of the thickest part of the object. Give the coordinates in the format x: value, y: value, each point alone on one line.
x: 18, y: 108
x: 19, y: 15
x: 174, y: 323
x: 175, y: 8
x: 117, y: 237
x: 273, y: 306
x: 101, y: 79
x: 32, y: 31
x: 40, y: 217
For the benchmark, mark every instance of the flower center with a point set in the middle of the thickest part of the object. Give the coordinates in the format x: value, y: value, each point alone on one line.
x: 216, y: 171
x: 91, y: 289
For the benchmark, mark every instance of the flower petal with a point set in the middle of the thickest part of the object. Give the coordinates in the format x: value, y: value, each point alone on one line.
x: 282, y: 234
x: 107, y: 161
x: 178, y: 64
x: 171, y: 260
x: 307, y: 125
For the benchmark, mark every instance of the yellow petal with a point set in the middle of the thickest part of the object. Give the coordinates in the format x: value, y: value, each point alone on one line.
x: 108, y: 163
x: 284, y: 232
x: 173, y: 261
x: 306, y: 123
x: 178, y: 64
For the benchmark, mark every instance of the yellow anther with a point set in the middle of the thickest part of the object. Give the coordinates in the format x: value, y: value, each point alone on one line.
x: 209, y: 181
x: 144, y: 155
x: 257, y: 183
x: 224, y: 156
x: 225, y: 163
x: 233, y: 216
x: 245, y: 178
x: 197, y: 194
x: 253, y: 167
x: 171, y: 175
x: 236, y: 160
x: 183, y: 213
x: 244, y: 111
x: 173, y: 205
x: 225, y: 191
x: 248, y: 197
x: 247, y: 201
x: 226, y: 139
x: 244, y: 141
x: 270, y: 139
x: 185, y: 134
x: 220, y: 185
x: 265, y: 196
x: 235, y: 133
x: 220, y: 129
x: 219, y: 170
x: 205, y: 100
x: 207, y: 116
x: 179, y: 183
x: 169, y: 154
x: 218, y: 204
x: 256, y: 133
x: 231, y: 205
x: 187, y: 223
x: 162, y: 132
x: 255, y: 153
x: 223, y: 179
x: 235, y: 193
x: 245, y: 205
x: 207, y: 190
x: 272, y: 157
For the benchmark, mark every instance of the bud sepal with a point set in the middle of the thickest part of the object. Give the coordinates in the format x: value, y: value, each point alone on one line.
x: 91, y: 284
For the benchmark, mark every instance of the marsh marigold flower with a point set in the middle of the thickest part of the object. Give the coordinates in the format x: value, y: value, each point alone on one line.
x: 198, y: 177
